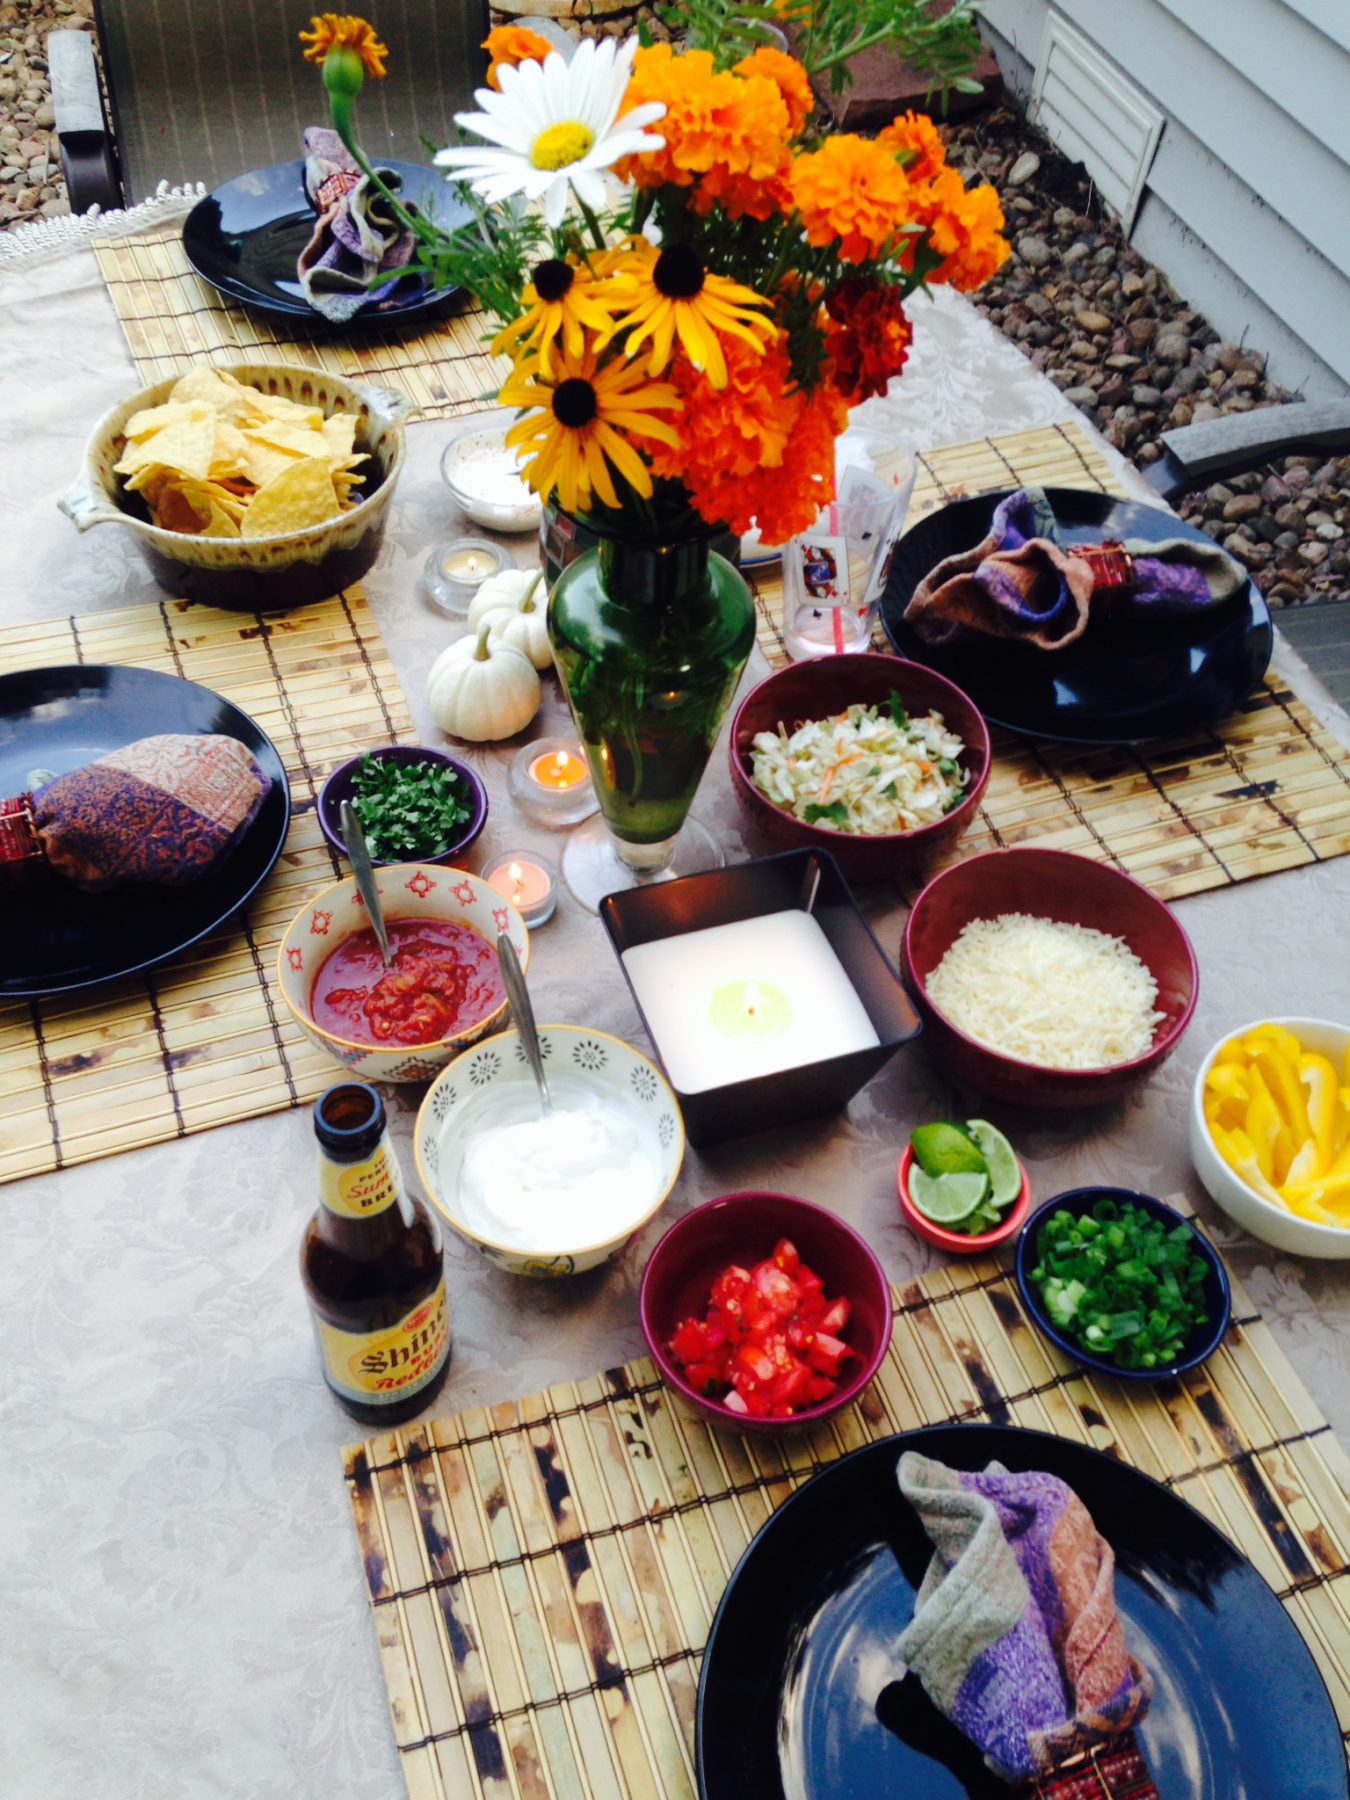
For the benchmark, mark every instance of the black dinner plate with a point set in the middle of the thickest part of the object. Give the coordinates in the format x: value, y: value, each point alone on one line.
x: 54, y: 937
x: 246, y: 237
x: 1121, y: 682
x: 799, y: 1697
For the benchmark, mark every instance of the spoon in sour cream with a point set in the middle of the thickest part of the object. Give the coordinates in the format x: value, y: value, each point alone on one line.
x: 518, y: 996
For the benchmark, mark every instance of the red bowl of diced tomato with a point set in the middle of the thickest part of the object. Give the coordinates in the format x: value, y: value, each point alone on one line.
x: 765, y: 1312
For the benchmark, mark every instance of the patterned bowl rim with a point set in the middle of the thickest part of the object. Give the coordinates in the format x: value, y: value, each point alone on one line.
x: 106, y: 429
x: 306, y: 1017
x: 502, y: 1037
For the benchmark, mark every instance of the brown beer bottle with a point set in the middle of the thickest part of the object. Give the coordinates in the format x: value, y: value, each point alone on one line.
x: 372, y: 1267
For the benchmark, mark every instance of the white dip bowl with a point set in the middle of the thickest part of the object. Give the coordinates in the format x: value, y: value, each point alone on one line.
x: 607, y: 1065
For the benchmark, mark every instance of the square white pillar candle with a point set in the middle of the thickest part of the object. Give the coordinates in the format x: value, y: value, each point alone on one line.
x: 750, y: 998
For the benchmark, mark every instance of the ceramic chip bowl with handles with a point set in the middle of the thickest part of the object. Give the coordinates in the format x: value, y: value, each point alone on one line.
x: 265, y: 573
x: 407, y: 891
x: 603, y: 1062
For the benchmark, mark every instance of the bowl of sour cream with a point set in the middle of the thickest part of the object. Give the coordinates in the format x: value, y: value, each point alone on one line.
x: 556, y: 1193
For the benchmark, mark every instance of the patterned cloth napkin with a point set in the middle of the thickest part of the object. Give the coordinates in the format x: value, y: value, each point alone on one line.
x: 165, y: 809
x: 356, y: 237
x: 1021, y: 583
x: 1015, y: 1635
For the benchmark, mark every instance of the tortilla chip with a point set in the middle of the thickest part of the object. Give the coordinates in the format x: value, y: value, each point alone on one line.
x: 229, y: 398
x: 340, y: 434
x: 298, y: 498
x: 205, y: 456
x: 186, y: 442
x: 289, y: 412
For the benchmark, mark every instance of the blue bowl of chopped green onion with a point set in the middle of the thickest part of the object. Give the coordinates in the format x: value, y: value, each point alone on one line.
x: 415, y: 804
x: 1123, y: 1283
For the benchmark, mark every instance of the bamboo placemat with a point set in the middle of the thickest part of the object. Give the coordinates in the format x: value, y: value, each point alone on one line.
x: 173, y: 321
x: 204, y: 1040
x: 543, y: 1574
x: 1264, y: 790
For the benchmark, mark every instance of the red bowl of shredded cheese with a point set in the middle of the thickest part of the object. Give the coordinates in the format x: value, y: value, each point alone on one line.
x: 1046, y: 979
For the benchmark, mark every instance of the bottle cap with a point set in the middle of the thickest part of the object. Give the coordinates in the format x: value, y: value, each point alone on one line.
x: 349, y: 1119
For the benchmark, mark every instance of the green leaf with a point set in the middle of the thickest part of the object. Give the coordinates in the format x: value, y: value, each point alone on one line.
x: 409, y: 810
x: 836, y: 812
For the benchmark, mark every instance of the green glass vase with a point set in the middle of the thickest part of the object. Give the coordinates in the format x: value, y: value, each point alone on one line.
x: 650, y: 637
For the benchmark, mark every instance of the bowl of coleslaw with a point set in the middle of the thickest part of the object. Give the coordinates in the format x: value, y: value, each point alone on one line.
x: 872, y: 758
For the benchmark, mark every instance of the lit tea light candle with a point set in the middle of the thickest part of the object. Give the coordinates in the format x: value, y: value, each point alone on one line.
x: 529, y: 881
x: 560, y: 771
x: 745, y: 1009
x: 754, y: 997
x: 455, y: 572
x: 550, y: 781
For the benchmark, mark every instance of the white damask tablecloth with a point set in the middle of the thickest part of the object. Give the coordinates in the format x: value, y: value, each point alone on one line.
x: 183, y: 1609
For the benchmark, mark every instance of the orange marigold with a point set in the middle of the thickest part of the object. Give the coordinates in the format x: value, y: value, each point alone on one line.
x: 785, y: 499
x: 345, y: 31
x: 730, y: 431
x: 726, y: 136
x: 853, y: 191
x: 964, y: 227
x: 915, y: 139
x: 759, y: 450
x: 508, y: 45
x: 791, y: 79
x: 868, y: 339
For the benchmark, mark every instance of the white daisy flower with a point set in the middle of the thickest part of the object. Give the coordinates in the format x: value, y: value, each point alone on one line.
x: 555, y: 124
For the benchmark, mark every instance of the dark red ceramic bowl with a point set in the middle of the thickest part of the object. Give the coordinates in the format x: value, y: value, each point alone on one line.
x: 961, y: 1243
x: 744, y: 1228
x: 340, y: 783
x: 816, y: 690
x: 1049, y: 884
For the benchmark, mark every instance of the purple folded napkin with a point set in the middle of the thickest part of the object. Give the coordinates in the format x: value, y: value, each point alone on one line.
x: 356, y: 237
x: 1015, y: 1636
x: 165, y: 809
x: 1021, y: 583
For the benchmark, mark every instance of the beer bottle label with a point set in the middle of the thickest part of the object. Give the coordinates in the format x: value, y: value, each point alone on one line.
x: 360, y: 1190
x: 388, y: 1365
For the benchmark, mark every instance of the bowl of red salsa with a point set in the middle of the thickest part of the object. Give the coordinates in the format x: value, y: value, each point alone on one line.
x: 765, y: 1312
x: 443, y: 992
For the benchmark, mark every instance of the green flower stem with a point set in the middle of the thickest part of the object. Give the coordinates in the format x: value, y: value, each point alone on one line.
x: 340, y: 109
x: 591, y: 220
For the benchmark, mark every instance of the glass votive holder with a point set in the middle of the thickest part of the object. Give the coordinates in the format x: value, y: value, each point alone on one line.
x: 483, y: 475
x: 830, y: 597
x: 528, y: 880
x: 455, y: 572
x: 550, y: 781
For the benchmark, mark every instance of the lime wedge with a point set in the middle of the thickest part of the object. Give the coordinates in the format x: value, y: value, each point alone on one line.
x: 1005, y: 1172
x: 943, y: 1149
x: 946, y: 1199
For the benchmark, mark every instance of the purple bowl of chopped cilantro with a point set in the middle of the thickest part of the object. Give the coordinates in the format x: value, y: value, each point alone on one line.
x: 1123, y: 1283
x: 415, y: 804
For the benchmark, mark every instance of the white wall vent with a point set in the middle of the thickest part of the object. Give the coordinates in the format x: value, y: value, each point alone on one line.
x: 1095, y: 115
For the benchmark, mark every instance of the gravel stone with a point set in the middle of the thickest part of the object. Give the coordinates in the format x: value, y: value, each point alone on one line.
x: 1034, y: 251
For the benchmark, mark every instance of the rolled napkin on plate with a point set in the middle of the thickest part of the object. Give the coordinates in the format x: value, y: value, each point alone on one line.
x: 1020, y: 582
x: 356, y: 236
x: 165, y: 810
x: 1016, y: 1637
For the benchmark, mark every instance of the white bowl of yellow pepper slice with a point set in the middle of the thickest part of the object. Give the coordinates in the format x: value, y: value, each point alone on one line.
x: 1270, y: 1132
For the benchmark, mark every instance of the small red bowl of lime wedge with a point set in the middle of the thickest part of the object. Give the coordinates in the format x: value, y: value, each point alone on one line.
x: 947, y: 1196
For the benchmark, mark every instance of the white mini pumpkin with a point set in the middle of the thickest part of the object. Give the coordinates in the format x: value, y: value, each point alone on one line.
x: 480, y: 690
x: 515, y: 604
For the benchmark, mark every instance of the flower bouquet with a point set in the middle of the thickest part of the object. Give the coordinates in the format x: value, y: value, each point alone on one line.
x: 694, y: 283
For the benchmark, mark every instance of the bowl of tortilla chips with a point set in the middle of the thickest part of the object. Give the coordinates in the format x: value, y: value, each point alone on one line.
x: 253, y: 487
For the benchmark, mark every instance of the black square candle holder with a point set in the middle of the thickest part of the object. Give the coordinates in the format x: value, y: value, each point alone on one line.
x: 809, y: 880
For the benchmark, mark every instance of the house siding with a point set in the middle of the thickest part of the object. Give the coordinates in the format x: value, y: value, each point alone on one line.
x: 1246, y: 206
